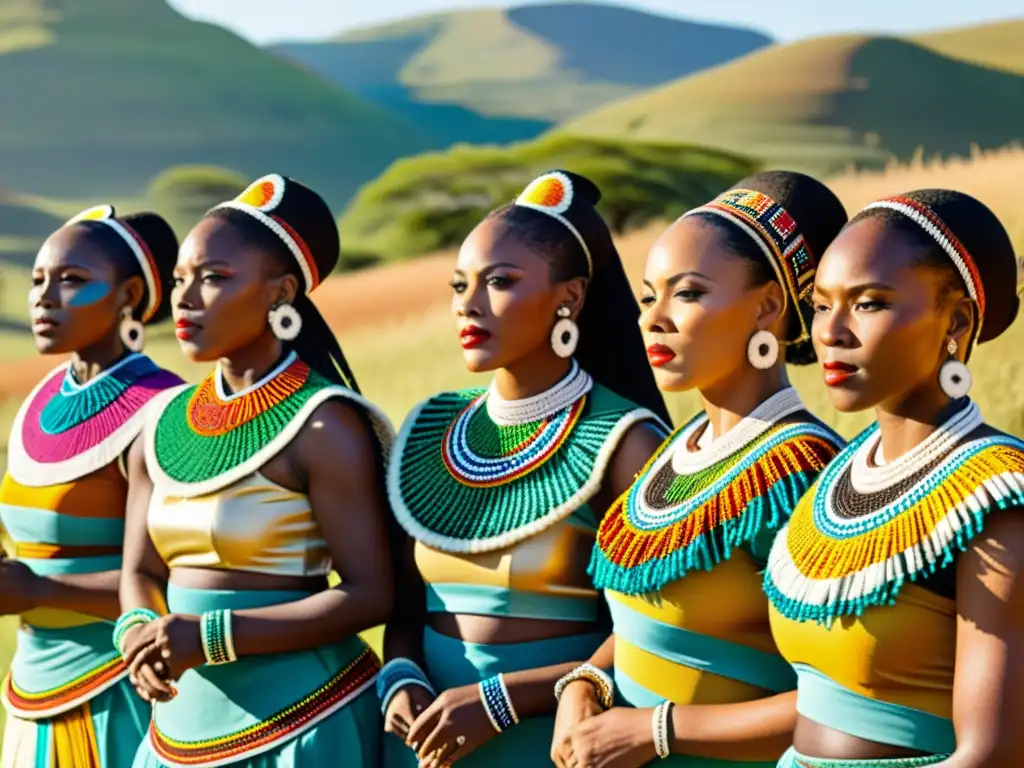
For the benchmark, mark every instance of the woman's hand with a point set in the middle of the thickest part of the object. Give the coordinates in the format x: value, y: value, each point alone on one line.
x: 403, y: 709
x: 161, y: 651
x: 18, y: 587
x: 618, y: 738
x: 453, y: 726
x: 578, y: 703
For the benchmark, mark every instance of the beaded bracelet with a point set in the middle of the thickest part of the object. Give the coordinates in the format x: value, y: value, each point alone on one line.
x: 596, y: 677
x: 216, y: 637
x: 659, y: 725
x: 397, y: 674
x: 497, y: 703
x: 129, y: 619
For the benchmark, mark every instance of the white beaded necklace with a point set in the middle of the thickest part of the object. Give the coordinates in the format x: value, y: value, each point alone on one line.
x: 508, y: 413
x: 777, y: 407
x: 870, y: 479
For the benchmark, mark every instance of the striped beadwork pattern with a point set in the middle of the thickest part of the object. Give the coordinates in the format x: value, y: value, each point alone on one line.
x: 479, y: 453
x: 26, y: 704
x: 497, y: 703
x: 342, y: 687
x: 844, y: 551
x: 668, y: 524
x: 439, y: 508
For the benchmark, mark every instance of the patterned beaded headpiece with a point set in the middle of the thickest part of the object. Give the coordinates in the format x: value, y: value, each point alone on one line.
x: 263, y: 200
x: 104, y: 214
x: 936, y: 228
x: 552, y: 194
x: 776, y: 233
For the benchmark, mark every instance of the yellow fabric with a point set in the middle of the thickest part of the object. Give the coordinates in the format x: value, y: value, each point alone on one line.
x: 554, y: 562
x: 253, y: 525
x: 901, y: 654
x: 101, y: 494
x: 72, y: 742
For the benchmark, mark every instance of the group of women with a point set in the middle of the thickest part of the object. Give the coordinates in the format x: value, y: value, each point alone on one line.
x: 563, y: 577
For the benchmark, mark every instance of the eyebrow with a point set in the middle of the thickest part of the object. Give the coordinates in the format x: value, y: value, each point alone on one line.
x: 677, y: 277
x: 491, y: 267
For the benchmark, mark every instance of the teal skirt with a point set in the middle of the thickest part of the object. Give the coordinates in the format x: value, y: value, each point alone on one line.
x: 793, y: 759
x: 304, y: 709
x: 452, y: 663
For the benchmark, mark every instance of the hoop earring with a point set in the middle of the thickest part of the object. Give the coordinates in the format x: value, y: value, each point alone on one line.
x: 954, y: 376
x: 285, y: 321
x: 132, y: 332
x: 566, y: 334
x: 763, y: 350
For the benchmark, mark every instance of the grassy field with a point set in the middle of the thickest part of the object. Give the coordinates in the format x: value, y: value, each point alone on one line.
x: 824, y: 104
x: 413, y: 352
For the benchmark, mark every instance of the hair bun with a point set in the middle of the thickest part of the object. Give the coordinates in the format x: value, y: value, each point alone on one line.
x: 583, y: 187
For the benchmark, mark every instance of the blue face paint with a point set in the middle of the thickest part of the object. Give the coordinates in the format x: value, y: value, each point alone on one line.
x: 90, y: 293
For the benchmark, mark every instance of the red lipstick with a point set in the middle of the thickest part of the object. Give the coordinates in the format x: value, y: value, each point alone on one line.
x: 836, y: 373
x: 659, y: 354
x: 185, y: 329
x: 473, y: 336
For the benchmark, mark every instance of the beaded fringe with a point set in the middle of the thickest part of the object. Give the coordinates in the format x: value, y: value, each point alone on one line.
x: 813, y: 576
x: 757, y: 499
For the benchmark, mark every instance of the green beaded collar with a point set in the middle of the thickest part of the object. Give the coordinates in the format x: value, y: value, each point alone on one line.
x: 460, y: 483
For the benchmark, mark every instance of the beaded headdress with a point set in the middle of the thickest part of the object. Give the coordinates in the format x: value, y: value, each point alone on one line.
x: 778, y: 236
x: 104, y: 214
x: 279, y: 204
x: 553, y: 194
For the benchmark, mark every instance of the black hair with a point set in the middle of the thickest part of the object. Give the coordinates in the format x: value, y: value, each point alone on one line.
x: 316, y: 345
x: 819, y: 215
x: 610, y: 346
x: 982, y: 235
x: 162, y: 244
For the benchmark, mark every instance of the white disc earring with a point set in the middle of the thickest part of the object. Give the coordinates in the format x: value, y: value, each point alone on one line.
x: 285, y: 322
x: 133, y: 333
x: 566, y: 334
x: 763, y: 350
x: 954, y: 376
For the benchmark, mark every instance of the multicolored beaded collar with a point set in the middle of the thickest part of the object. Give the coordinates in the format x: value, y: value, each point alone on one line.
x: 66, y: 430
x: 681, y: 515
x: 847, y: 548
x: 201, y: 439
x: 460, y: 482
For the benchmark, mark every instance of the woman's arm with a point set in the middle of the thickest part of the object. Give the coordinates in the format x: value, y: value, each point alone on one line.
x: 337, y: 452
x: 94, y: 594
x: 403, y: 635
x: 763, y: 726
x: 143, y: 572
x: 988, y: 686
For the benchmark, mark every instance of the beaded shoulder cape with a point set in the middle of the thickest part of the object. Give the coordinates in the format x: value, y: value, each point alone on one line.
x: 461, y: 483
x: 672, y: 521
x: 199, y: 440
x: 65, y: 430
x: 847, y: 549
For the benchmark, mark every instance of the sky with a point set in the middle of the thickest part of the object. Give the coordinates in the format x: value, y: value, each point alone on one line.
x: 265, y: 21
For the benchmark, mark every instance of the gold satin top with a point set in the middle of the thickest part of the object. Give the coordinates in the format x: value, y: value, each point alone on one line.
x: 253, y: 525
x: 902, y: 654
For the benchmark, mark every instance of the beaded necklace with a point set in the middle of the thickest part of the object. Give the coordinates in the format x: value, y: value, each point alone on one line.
x: 66, y: 430
x: 462, y: 482
x: 202, y: 440
x: 856, y: 539
x: 689, y: 509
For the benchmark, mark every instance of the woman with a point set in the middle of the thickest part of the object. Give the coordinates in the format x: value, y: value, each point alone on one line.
x: 500, y: 490
x: 896, y: 588
x: 680, y: 554
x: 95, y: 282
x: 251, y: 488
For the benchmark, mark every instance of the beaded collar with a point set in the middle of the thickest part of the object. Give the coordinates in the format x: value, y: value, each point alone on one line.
x: 688, y: 509
x: 863, y: 531
x: 460, y: 482
x: 201, y: 439
x: 66, y: 430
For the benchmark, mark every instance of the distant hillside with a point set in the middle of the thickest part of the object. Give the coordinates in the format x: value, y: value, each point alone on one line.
x: 501, y: 75
x: 999, y: 45
x: 821, y: 105
x: 104, y: 94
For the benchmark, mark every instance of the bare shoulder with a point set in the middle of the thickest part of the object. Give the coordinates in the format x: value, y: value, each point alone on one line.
x: 337, y: 430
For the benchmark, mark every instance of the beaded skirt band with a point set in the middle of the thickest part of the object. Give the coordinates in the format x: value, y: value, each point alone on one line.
x: 793, y: 759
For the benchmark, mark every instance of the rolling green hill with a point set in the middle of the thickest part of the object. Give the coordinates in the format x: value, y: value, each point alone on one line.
x: 491, y: 75
x: 999, y: 45
x: 101, y: 95
x: 821, y: 105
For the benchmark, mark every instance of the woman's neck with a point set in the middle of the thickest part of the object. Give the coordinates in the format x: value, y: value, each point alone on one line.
x: 244, y: 368
x: 906, y: 424
x: 530, y: 377
x: 732, y: 400
x: 87, y: 364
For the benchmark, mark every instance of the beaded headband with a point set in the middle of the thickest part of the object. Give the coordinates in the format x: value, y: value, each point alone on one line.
x: 775, y: 232
x: 552, y: 194
x: 260, y: 199
x: 104, y: 214
x: 936, y: 228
